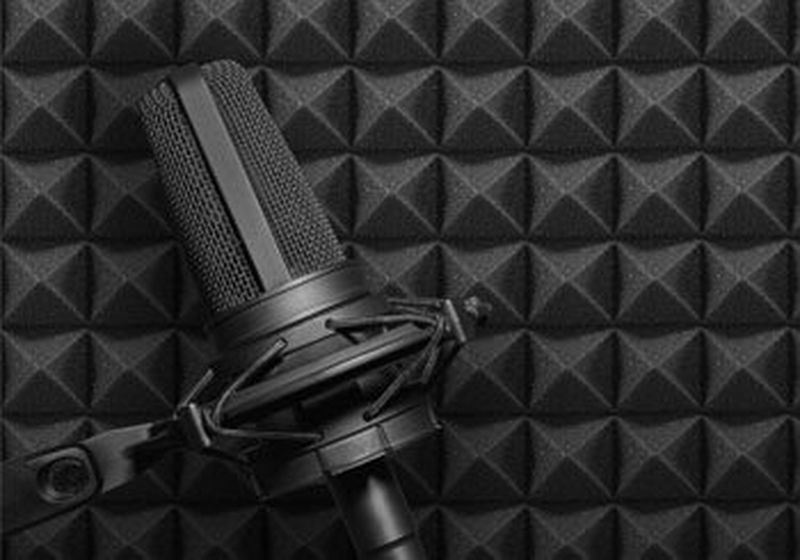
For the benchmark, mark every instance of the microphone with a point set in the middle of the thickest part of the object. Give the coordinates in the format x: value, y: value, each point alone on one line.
x: 328, y: 378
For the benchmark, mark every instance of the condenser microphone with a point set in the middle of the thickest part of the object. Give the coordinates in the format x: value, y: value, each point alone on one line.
x: 326, y: 375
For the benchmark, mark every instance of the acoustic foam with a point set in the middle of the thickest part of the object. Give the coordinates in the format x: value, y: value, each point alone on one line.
x: 618, y: 178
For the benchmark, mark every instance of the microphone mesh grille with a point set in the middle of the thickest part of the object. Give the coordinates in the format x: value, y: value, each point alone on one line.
x: 217, y: 256
x: 214, y: 251
x: 298, y: 222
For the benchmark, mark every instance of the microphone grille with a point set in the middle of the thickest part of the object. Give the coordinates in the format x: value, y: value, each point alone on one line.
x: 298, y: 222
x: 215, y: 253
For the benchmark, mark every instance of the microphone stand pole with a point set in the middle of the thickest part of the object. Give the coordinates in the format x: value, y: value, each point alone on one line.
x: 376, y: 513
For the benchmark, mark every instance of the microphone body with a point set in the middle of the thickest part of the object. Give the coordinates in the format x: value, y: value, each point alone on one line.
x: 317, y: 357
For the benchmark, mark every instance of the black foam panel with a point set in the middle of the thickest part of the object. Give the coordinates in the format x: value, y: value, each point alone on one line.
x: 618, y: 178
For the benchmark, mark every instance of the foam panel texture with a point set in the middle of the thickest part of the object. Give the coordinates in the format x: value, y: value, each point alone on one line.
x: 619, y: 178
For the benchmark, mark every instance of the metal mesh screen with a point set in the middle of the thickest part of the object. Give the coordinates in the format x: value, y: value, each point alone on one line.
x: 216, y: 255
x: 304, y: 236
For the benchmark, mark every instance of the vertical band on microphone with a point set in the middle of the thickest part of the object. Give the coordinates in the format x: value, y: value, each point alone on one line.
x: 230, y: 176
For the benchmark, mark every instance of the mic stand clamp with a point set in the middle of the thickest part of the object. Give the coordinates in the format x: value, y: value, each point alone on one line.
x: 42, y: 485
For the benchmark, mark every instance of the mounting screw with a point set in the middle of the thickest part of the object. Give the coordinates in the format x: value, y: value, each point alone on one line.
x: 477, y: 309
x: 64, y: 479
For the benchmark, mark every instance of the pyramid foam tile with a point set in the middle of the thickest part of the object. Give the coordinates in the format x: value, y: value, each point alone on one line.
x: 125, y: 531
x: 232, y: 533
x: 661, y: 533
x: 214, y: 29
x: 748, y: 109
x: 484, y: 461
x: 747, y: 30
x: 573, y: 374
x: 47, y: 31
x: 396, y: 30
x: 134, y: 284
x: 572, y: 532
x: 656, y: 30
x: 573, y: 110
x: 577, y: 31
x: 46, y: 198
x: 660, y: 460
x: 478, y: 31
x: 46, y: 373
x: 572, y: 460
x: 413, y: 270
x: 572, y: 197
x: 133, y: 373
x: 482, y: 198
x: 573, y: 285
x: 661, y: 197
x: 749, y: 197
x: 65, y: 537
x: 747, y: 284
x: 488, y: 377
x: 397, y: 111
x: 309, y: 30
x: 134, y: 31
x: 660, y: 109
x: 300, y: 105
x: 306, y: 533
x: 45, y: 285
x: 664, y: 281
x: 46, y: 111
x: 756, y: 533
x: 485, y: 111
x: 127, y: 198
x: 397, y: 197
x: 491, y: 534
x: 661, y: 371
x: 742, y: 461
x: 749, y: 371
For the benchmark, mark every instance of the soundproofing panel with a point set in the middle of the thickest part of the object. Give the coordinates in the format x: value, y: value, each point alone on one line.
x: 618, y: 178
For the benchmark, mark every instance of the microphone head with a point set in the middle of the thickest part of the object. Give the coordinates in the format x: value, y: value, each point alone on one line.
x: 217, y: 252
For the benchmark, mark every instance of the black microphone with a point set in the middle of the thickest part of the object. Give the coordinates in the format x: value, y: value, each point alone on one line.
x: 330, y: 377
